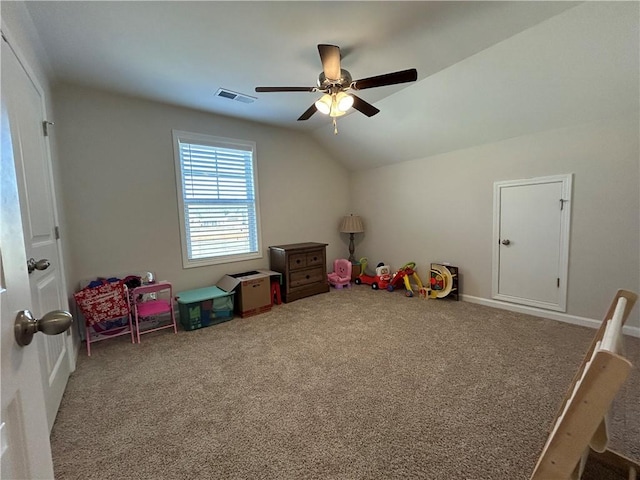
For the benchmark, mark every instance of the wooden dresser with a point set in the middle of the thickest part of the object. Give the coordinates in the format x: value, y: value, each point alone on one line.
x: 303, y: 267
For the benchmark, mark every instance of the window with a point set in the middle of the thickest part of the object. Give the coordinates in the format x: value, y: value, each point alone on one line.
x: 217, y: 194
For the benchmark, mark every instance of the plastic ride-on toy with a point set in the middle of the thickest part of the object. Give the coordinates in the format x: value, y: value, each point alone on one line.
x: 380, y: 280
x: 402, y: 276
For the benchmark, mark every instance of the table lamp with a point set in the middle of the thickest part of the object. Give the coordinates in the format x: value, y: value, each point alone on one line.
x: 351, y: 224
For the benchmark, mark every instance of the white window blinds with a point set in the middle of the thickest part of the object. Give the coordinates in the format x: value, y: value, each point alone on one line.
x: 218, y: 199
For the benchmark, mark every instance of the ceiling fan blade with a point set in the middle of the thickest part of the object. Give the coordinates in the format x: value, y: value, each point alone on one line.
x: 330, y: 57
x: 402, y: 76
x: 364, y: 107
x: 285, y: 89
x: 310, y: 111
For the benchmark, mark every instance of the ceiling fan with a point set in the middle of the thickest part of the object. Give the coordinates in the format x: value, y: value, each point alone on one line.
x: 335, y: 82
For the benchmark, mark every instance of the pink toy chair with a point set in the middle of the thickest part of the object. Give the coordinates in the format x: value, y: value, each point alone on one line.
x: 99, y: 305
x: 144, y: 307
x: 341, y: 275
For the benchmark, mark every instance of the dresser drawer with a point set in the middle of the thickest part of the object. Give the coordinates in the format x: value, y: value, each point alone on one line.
x: 305, y: 277
x: 315, y: 258
x: 298, y: 260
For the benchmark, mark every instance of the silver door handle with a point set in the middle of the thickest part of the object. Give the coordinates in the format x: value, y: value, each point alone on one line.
x: 52, y: 323
x: 32, y: 264
x: 506, y: 242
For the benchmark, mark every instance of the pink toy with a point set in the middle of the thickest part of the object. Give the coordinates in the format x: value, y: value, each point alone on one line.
x: 341, y: 275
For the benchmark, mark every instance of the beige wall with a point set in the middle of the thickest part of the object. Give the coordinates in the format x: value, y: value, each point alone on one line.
x: 119, y: 186
x: 441, y: 208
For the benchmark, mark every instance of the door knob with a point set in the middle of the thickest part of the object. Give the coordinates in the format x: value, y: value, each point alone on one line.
x: 506, y: 242
x: 32, y: 264
x: 52, y: 323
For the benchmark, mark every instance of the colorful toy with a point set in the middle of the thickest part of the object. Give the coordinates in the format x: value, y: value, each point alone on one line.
x: 441, y: 281
x: 437, y: 281
x: 402, y: 276
x: 380, y: 280
x: 341, y: 275
x: 384, y: 279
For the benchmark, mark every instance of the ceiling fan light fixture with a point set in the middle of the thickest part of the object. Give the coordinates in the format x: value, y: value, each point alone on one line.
x: 324, y: 104
x: 335, y: 111
x: 344, y: 101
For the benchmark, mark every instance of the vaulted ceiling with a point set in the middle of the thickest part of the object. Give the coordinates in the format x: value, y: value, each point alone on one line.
x: 486, y: 70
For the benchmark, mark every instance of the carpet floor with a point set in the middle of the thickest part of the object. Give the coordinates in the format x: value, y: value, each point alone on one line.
x: 353, y: 384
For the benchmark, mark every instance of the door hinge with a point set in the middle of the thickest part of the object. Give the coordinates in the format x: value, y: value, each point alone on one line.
x: 56, y: 232
x: 558, y: 282
x: 45, y: 127
x: 562, y: 201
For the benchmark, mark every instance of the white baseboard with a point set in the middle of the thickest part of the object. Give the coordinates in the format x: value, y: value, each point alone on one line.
x: 561, y: 317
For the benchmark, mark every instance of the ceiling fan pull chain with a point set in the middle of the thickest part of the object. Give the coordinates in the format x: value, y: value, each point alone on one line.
x: 335, y: 126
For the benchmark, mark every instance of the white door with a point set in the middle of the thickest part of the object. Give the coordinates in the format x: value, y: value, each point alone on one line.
x: 25, y: 451
x: 25, y: 108
x: 531, y: 241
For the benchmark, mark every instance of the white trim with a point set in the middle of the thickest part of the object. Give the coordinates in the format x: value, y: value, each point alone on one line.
x: 558, y: 316
x: 565, y: 228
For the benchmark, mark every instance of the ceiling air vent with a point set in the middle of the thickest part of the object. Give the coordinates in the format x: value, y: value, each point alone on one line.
x: 240, y: 97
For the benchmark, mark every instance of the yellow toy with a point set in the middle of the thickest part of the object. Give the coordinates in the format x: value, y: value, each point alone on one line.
x: 402, y: 275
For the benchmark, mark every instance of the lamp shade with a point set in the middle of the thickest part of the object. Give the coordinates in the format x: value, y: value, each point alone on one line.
x: 351, y: 224
x: 324, y: 104
x: 344, y: 102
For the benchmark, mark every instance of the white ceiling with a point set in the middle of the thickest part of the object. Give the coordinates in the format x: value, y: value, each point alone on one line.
x: 486, y: 70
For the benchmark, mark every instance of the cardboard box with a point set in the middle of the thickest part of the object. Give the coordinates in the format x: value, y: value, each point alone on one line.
x: 252, y: 291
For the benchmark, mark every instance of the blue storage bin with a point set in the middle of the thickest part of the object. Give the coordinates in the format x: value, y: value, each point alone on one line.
x: 204, y: 306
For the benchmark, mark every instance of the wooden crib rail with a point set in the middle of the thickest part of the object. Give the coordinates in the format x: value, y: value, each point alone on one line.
x: 580, y: 421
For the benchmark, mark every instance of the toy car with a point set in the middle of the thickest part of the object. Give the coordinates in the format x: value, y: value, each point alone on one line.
x: 380, y: 280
